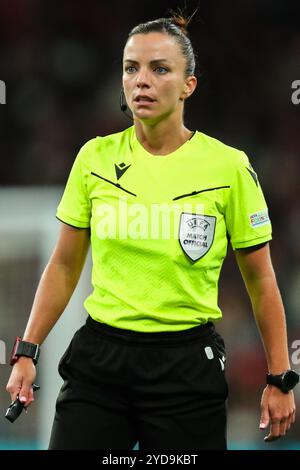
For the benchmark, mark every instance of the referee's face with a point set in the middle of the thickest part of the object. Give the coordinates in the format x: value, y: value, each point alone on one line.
x: 154, y: 79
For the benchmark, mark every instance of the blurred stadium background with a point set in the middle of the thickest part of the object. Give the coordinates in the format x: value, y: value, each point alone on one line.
x: 61, y: 63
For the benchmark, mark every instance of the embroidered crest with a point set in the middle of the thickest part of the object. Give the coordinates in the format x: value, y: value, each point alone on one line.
x: 196, y: 234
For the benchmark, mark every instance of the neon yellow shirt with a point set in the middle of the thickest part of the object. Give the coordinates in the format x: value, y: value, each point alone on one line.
x: 160, y: 226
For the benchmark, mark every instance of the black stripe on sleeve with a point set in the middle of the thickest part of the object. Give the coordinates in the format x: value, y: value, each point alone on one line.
x: 74, y: 226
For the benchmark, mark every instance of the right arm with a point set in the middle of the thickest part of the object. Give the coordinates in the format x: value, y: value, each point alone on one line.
x: 58, y: 282
x: 54, y: 291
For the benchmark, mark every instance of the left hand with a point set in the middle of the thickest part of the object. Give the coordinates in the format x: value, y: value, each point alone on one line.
x: 277, y: 411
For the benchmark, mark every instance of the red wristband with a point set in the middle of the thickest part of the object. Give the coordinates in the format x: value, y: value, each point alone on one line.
x: 13, y: 357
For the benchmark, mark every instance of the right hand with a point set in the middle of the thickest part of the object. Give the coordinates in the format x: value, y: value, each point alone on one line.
x: 277, y: 411
x: 21, y: 379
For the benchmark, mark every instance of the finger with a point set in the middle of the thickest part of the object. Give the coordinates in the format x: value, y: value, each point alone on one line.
x: 274, y: 432
x: 26, y: 394
x: 271, y: 438
x: 283, y: 426
x: 264, y: 418
x: 30, y: 399
x: 13, y: 390
x: 291, y: 420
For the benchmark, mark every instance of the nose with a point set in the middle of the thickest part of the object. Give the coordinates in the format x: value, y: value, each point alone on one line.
x: 142, y: 79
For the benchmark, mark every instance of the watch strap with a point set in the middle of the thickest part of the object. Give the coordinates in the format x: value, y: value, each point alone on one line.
x: 275, y: 380
x: 285, y: 381
x: 24, y: 348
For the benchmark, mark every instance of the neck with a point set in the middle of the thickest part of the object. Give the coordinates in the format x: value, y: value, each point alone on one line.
x: 162, y: 138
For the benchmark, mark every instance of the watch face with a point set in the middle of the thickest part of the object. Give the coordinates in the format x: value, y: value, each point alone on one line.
x: 290, y: 379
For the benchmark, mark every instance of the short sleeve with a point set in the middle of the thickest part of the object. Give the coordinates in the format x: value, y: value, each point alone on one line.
x: 75, y: 207
x: 246, y: 213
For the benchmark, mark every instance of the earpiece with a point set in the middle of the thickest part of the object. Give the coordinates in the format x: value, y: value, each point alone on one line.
x: 123, y: 105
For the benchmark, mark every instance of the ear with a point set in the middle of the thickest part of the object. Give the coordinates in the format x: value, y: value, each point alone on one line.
x: 189, y: 87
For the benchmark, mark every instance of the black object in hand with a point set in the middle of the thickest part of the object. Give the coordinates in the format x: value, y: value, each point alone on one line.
x: 15, y: 409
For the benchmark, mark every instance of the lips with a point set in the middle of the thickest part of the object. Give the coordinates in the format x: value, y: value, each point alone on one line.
x: 144, y: 98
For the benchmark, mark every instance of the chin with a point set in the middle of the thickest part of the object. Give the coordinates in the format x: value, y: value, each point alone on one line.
x: 145, y: 115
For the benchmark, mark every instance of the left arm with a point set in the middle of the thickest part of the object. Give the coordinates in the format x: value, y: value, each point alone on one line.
x: 278, y: 408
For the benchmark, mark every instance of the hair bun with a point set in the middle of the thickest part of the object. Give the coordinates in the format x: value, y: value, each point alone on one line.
x: 181, y: 22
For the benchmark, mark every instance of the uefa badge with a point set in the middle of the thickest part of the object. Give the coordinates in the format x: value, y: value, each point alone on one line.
x: 196, y: 234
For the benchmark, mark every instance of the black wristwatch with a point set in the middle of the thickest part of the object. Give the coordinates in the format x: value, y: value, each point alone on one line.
x: 24, y: 348
x: 285, y: 381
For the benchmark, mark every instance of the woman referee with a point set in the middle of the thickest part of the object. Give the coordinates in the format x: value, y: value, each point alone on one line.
x: 158, y: 203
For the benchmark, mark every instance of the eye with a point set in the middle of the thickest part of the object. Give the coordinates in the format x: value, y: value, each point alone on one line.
x: 161, y: 70
x: 130, y: 69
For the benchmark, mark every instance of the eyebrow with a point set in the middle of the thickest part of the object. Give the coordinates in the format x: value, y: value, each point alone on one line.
x: 152, y: 62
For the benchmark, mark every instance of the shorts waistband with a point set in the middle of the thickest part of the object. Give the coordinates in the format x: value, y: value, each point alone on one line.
x: 162, y: 337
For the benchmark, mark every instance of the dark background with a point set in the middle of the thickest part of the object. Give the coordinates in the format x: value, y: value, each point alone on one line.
x: 62, y: 65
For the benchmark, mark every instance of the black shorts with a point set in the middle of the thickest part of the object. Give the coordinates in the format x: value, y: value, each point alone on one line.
x: 165, y: 390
